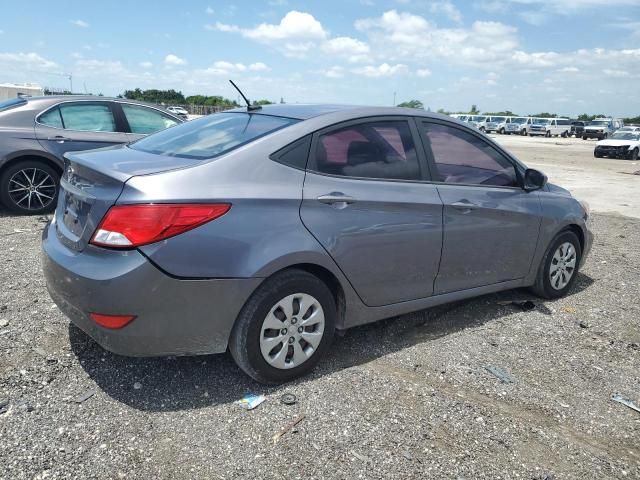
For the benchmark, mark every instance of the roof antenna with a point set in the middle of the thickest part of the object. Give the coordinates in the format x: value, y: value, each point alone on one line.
x: 249, y: 106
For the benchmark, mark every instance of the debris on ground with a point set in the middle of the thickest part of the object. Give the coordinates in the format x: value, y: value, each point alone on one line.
x: 584, y: 324
x: 362, y: 458
x: 501, y: 373
x: 4, y: 405
x: 288, y: 399
x: 137, y: 386
x: 251, y: 401
x: 83, y: 397
x: 524, y: 305
x: 616, y: 397
x: 287, y: 427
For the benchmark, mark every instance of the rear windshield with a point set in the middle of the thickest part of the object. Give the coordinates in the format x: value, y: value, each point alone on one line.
x: 211, y: 136
x: 12, y: 103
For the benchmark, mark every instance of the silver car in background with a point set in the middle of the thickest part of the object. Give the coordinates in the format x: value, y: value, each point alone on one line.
x: 35, y: 132
x: 264, y: 231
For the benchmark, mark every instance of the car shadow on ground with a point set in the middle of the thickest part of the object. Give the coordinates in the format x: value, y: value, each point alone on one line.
x: 183, y: 383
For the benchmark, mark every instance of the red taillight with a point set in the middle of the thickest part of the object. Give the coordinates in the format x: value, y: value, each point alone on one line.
x: 128, y: 226
x: 112, y: 321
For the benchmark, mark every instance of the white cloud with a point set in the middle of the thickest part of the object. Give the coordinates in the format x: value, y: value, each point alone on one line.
x: 210, y: 11
x: 146, y: 64
x: 615, y: 73
x: 222, y: 67
x: 172, y: 59
x: 423, y: 72
x: 28, y: 60
x: 334, y: 72
x: 448, y: 9
x: 382, y: 70
x: 569, y: 70
x: 295, y: 35
x: 405, y: 36
x: 348, y: 48
x: 534, y: 18
x: 76, y: 55
x: 80, y: 23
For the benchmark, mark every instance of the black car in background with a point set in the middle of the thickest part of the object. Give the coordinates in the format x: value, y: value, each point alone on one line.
x: 577, y: 128
x: 36, y: 131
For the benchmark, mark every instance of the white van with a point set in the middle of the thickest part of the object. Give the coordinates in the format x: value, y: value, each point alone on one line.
x: 497, y: 124
x: 548, y: 127
x: 519, y: 125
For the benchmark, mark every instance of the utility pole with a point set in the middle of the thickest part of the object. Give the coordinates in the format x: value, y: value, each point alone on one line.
x: 70, y: 82
x: 394, y: 99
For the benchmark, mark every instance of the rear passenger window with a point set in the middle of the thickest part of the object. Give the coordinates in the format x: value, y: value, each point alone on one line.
x: 87, y: 117
x: 461, y: 157
x: 381, y: 150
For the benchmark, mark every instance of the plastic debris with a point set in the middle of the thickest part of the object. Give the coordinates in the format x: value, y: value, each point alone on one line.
x: 84, y: 396
x: 616, y: 397
x: 251, y: 401
x: 501, y: 373
x: 288, y: 399
x: 287, y: 427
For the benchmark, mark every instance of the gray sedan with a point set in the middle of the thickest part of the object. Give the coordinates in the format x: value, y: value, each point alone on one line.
x: 35, y: 132
x: 265, y: 231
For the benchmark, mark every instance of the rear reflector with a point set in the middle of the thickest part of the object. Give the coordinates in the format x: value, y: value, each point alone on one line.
x: 112, y: 321
x: 130, y: 226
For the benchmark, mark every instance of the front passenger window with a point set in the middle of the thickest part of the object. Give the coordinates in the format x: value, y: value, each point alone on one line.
x: 461, y: 157
x: 381, y: 150
x: 144, y: 120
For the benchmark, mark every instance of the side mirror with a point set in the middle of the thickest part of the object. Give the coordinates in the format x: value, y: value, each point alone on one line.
x: 534, y: 180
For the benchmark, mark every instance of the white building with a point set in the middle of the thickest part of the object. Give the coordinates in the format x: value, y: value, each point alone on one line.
x: 13, y: 90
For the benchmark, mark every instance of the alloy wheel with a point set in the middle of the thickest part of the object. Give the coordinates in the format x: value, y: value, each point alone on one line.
x: 292, y: 331
x: 32, y: 188
x: 563, y: 266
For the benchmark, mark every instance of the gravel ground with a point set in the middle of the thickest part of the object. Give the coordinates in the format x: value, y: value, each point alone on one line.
x: 404, y: 398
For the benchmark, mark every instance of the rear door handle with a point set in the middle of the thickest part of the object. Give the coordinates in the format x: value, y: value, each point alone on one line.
x: 336, y: 197
x: 59, y: 139
x: 465, y: 206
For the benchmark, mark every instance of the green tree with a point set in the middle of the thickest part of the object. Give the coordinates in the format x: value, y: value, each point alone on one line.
x: 507, y: 113
x: 412, y: 104
x: 635, y: 120
x: 262, y: 102
x: 544, y: 115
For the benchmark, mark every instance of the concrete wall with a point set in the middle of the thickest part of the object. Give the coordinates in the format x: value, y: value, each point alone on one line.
x: 8, y: 91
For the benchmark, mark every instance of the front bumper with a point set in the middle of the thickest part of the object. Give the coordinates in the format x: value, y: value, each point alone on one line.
x: 592, y: 134
x: 174, y: 316
x: 588, y: 242
x: 613, y: 152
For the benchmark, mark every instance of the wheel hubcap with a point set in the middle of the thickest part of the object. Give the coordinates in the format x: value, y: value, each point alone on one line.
x: 563, y: 266
x: 32, y: 188
x: 283, y: 345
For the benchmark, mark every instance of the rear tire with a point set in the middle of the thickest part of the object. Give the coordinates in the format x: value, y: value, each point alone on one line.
x: 266, y: 341
x: 29, y: 187
x: 559, y: 267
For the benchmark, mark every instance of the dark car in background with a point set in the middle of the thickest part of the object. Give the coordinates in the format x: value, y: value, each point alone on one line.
x: 577, y: 128
x: 35, y: 132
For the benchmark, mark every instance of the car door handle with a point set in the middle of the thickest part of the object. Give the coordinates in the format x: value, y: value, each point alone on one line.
x: 465, y: 206
x: 59, y: 139
x: 336, y: 197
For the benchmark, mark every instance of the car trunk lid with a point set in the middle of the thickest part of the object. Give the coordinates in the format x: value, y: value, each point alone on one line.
x: 92, y: 182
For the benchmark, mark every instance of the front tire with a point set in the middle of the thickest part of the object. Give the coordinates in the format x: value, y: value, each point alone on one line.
x: 634, y: 154
x: 29, y: 187
x: 559, y: 267
x: 285, y: 327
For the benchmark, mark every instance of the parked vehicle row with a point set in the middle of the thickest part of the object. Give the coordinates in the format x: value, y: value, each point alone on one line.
x: 599, y: 128
x: 35, y: 132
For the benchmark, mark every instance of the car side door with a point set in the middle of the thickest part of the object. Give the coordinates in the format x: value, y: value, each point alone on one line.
x: 140, y: 120
x: 78, y: 125
x: 366, y: 202
x: 491, y: 224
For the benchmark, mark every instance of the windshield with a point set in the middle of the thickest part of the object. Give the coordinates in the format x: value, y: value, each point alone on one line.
x: 12, y: 103
x: 498, y: 119
x: 211, y: 136
x: 519, y: 120
x: 479, y: 119
x: 626, y: 135
x: 599, y: 122
x: 542, y: 121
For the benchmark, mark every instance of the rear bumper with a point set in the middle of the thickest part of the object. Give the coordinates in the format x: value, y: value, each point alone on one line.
x: 174, y: 316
